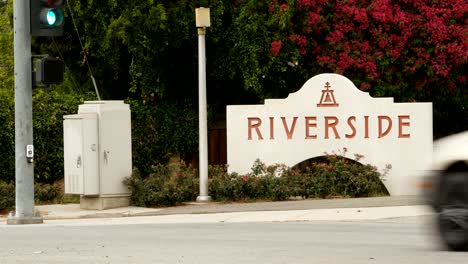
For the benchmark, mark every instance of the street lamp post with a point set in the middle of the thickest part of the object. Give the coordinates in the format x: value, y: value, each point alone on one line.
x: 202, y: 19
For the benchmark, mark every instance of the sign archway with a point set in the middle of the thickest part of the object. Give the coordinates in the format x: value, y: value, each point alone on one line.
x: 327, y: 114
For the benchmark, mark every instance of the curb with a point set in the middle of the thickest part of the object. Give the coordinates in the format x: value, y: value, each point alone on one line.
x: 300, y: 210
x: 314, y: 215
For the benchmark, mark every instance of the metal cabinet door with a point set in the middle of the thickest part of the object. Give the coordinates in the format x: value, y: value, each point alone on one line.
x: 81, y: 166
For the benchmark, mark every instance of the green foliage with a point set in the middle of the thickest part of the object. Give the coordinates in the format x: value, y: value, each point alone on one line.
x: 335, y: 176
x: 232, y: 187
x: 43, y: 194
x: 7, y: 195
x: 49, y: 108
x: 47, y: 193
x: 7, y: 135
x: 133, y: 47
x: 146, y: 52
x: 161, y: 131
x: 164, y: 186
x: 264, y: 183
x: 410, y: 50
x: 6, y: 45
x: 158, y: 132
x: 7, y: 103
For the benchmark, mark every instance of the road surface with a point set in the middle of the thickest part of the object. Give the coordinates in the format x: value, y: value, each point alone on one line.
x: 409, y: 240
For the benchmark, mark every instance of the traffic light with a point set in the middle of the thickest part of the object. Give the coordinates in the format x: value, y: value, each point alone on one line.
x: 49, y: 70
x: 46, y: 17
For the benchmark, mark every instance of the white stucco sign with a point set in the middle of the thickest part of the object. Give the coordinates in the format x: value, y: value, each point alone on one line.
x: 329, y: 113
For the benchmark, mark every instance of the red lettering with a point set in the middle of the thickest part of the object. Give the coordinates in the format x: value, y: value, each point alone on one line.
x: 332, y: 124
x: 401, y: 124
x: 310, y: 121
x: 366, y: 126
x: 353, y: 128
x: 272, y: 128
x: 381, y: 128
x: 289, y: 131
x: 256, y: 125
x: 389, y: 126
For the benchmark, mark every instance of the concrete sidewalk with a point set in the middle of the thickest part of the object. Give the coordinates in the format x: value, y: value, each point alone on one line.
x: 297, y: 210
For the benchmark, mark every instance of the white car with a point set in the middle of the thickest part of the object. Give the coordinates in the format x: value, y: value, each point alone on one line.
x: 449, y: 193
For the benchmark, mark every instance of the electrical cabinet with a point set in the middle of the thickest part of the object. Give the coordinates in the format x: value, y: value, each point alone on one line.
x: 97, y: 149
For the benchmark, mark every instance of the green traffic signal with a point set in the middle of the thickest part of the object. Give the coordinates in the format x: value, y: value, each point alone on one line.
x: 46, y: 17
x: 51, y: 17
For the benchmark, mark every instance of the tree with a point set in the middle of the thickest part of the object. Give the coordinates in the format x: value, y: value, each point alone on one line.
x: 7, y: 106
x: 6, y: 46
x: 410, y: 50
x: 147, y: 51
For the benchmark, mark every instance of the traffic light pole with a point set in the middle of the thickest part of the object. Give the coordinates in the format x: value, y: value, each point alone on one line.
x: 24, y: 169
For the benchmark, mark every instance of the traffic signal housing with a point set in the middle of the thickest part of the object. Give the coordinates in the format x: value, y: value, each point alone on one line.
x: 46, y: 17
x: 49, y: 70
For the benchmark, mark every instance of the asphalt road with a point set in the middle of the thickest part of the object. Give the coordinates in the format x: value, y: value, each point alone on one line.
x: 399, y: 240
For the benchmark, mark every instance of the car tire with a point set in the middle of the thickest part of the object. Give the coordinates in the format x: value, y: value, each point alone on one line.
x: 453, y: 215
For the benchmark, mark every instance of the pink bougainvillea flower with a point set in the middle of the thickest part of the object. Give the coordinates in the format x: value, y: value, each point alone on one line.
x: 276, y: 47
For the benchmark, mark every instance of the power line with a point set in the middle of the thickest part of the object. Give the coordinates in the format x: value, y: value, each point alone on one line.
x: 84, y: 52
x: 66, y: 66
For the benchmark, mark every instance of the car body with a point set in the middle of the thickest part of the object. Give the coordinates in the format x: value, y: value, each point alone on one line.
x: 448, y: 194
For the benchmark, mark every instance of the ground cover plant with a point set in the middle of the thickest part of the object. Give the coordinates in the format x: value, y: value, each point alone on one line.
x: 334, y: 176
x: 44, y: 193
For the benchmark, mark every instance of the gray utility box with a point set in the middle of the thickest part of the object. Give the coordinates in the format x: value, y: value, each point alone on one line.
x: 98, y: 154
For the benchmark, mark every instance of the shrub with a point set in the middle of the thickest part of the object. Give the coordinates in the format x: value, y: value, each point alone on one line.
x: 47, y: 193
x: 7, y: 135
x: 223, y: 186
x: 43, y: 194
x: 49, y: 108
x: 160, y: 131
x: 337, y: 176
x: 169, y: 185
x: 7, y: 195
x: 166, y: 185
